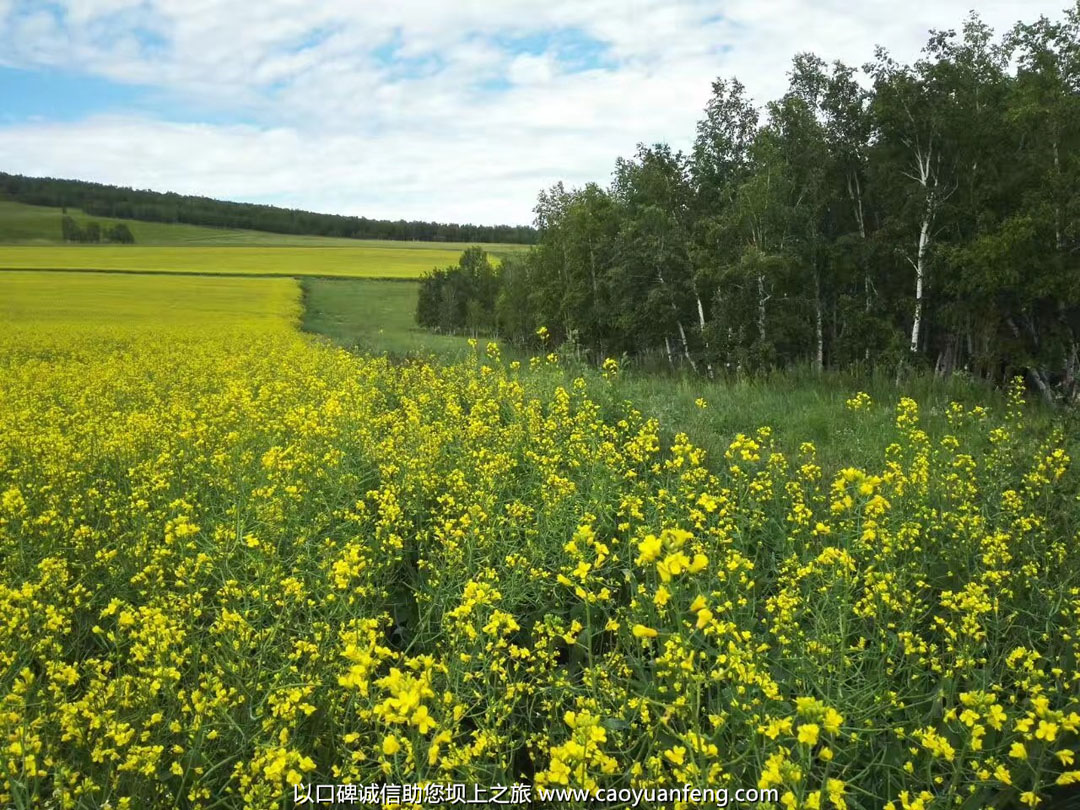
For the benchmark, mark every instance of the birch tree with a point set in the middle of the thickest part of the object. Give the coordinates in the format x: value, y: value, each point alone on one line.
x: 720, y: 164
x: 913, y: 156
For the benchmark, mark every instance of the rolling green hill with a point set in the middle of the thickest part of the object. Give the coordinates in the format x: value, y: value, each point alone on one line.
x: 145, y: 205
x: 23, y: 224
x: 30, y: 238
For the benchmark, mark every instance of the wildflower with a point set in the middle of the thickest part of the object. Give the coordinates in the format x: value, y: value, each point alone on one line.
x: 808, y: 733
x: 1046, y: 731
x: 704, y: 616
x: 836, y: 789
x: 832, y: 720
x: 649, y: 549
x: 676, y: 755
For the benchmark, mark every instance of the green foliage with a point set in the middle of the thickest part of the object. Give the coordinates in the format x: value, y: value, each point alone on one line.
x: 120, y: 233
x: 93, y: 232
x: 460, y: 298
x: 373, y: 315
x: 70, y: 230
x: 927, y: 221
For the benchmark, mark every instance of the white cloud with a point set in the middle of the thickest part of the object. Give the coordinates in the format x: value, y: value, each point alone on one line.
x: 528, y: 69
x: 339, y: 126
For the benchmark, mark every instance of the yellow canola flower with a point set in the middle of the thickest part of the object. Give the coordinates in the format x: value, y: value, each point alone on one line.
x: 649, y: 549
x: 215, y: 535
x: 808, y: 733
x: 676, y: 756
x: 832, y: 720
x: 1046, y: 731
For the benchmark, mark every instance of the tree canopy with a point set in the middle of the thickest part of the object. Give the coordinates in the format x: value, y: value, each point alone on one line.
x: 898, y: 216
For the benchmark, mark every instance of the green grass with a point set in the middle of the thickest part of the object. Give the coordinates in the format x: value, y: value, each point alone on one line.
x: 373, y: 315
x: 800, y: 406
x: 120, y: 300
x: 378, y: 316
x: 22, y: 224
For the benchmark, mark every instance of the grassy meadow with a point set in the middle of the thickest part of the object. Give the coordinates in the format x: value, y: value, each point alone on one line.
x: 239, y: 558
x: 373, y: 315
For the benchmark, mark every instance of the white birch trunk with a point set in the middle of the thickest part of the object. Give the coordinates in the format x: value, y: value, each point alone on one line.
x: 920, y: 276
x: 701, y: 326
x: 928, y: 180
x: 686, y: 346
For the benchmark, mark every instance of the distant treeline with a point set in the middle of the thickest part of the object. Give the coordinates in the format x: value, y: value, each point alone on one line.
x: 92, y: 232
x: 929, y: 216
x: 152, y: 206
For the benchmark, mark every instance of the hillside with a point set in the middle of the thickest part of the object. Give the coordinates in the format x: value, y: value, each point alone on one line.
x: 22, y: 224
x: 102, y: 200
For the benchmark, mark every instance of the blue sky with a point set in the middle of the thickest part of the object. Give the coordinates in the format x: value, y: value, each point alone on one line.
x: 60, y: 96
x: 456, y: 110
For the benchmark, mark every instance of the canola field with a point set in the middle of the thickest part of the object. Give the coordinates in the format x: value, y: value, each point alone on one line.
x: 369, y: 260
x: 237, y: 559
x: 41, y: 303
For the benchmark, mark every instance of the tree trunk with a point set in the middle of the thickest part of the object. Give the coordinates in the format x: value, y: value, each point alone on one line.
x: 1058, y: 234
x: 946, y: 361
x: 761, y: 307
x: 678, y: 320
x: 701, y: 326
x: 686, y: 346
x: 1035, y: 375
x: 855, y: 194
x: 819, y: 360
x: 920, y: 276
x: 1041, y: 384
x: 1072, y: 364
x: 928, y: 179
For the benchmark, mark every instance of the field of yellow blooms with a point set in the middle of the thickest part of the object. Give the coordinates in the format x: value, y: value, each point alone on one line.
x: 236, y: 559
